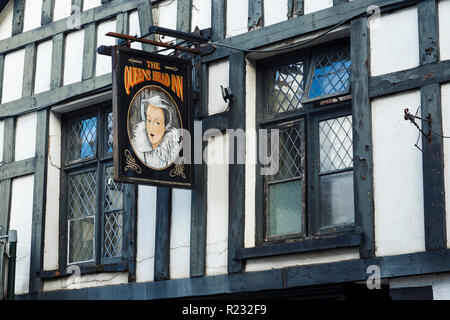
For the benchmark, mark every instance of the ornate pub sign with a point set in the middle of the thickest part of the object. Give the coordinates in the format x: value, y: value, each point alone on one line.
x: 153, y: 119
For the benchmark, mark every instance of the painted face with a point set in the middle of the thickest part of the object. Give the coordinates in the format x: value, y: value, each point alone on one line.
x: 155, y: 125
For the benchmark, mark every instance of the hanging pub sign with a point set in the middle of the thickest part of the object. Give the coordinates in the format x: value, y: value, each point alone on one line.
x: 153, y: 118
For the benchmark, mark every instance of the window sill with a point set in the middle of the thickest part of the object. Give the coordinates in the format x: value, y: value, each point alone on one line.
x: 345, y: 240
x: 58, y: 274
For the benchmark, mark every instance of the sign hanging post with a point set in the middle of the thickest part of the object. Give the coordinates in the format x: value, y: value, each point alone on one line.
x: 153, y: 118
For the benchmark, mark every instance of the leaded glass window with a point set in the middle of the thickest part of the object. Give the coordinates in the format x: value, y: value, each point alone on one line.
x: 306, y: 97
x: 97, y: 208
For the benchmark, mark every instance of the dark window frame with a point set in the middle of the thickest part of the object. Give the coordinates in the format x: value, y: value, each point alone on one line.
x: 98, y: 163
x: 312, y: 111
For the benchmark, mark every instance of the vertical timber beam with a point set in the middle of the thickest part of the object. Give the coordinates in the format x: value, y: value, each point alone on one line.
x: 47, y: 11
x: 18, y: 17
x: 236, y: 191
x: 122, y: 24
x: 40, y: 178
x: 28, y: 75
x: 296, y: 8
x: 433, y: 154
x: 162, y: 237
x: 362, y: 136
x: 199, y: 207
x: 338, y: 2
x: 184, y: 15
x: 145, y: 22
x: 57, y: 61
x: 255, y: 14
x: 89, y: 51
x: 218, y: 19
x: 5, y: 185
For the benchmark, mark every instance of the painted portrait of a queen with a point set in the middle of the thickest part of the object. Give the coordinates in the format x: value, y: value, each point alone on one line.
x: 155, y: 136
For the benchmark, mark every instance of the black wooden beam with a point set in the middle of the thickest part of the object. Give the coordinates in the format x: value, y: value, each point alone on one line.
x: 162, y: 237
x: 325, y: 273
x: 17, y: 169
x: 433, y: 169
x: 146, y: 21
x: 428, y: 31
x: 18, y: 17
x: 410, y: 79
x: 218, y: 19
x: 296, y: 8
x: 184, y: 15
x: 89, y: 51
x: 220, y: 121
x: 313, y: 244
x: 236, y: 190
x: 362, y: 136
x: 199, y: 208
x: 433, y: 153
x: 255, y: 14
x: 47, y: 11
x: 30, y: 69
x: 56, y: 76
x: 39, y: 201
x: 5, y: 185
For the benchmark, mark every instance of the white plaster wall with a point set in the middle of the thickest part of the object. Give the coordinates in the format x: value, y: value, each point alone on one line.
x: 13, y: 75
x: 217, y: 202
x: 439, y: 282
x: 43, y: 67
x: 237, y: 17
x: 89, y: 4
x: 180, y: 234
x: 316, y: 5
x: 62, y: 9
x: 398, y: 180
x: 134, y: 29
x: 6, y: 17
x: 103, y: 63
x: 86, y: 281
x: 394, y: 43
x: 51, y: 234
x: 146, y: 223
x: 32, y: 17
x: 275, y: 11
x: 25, y: 136
x: 251, y: 155
x: 444, y: 27
x: 21, y: 220
x: 445, y: 92
x: 1, y: 140
x: 300, y: 259
x: 73, y: 57
x: 201, y: 14
x: 218, y: 74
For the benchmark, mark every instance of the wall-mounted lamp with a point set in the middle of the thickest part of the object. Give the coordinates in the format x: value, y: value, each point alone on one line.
x: 226, y: 94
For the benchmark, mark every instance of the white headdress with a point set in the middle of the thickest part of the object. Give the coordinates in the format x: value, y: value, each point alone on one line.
x: 157, y: 102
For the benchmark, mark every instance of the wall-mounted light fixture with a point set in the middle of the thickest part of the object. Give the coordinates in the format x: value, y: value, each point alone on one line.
x: 226, y: 94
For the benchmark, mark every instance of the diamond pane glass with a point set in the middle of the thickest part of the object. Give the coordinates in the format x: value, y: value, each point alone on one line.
x: 82, y: 195
x: 82, y: 139
x: 109, y: 135
x: 331, y: 74
x: 113, y: 192
x: 287, y: 87
x: 81, y: 239
x: 113, y: 234
x: 336, y: 147
x: 291, y: 153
